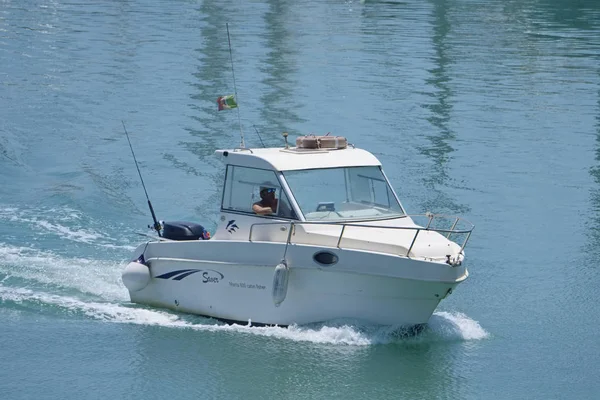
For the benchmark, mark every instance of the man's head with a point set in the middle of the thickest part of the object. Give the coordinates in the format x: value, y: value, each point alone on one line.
x: 267, y: 192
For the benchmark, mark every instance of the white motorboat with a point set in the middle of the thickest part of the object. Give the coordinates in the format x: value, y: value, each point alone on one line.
x: 306, y: 234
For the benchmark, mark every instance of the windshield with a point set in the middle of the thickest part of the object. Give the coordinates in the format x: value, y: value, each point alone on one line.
x: 341, y: 194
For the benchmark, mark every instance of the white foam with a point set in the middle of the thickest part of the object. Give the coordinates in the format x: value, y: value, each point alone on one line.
x: 27, y: 215
x: 119, y: 313
x: 62, y: 222
x: 76, y: 235
x: 444, y: 326
x: 97, y: 310
x: 455, y: 326
x: 101, y: 278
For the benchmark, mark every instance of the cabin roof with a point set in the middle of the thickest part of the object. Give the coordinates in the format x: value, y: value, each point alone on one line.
x: 292, y: 159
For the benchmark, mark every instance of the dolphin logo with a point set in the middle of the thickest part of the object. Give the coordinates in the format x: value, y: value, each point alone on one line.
x: 231, y: 226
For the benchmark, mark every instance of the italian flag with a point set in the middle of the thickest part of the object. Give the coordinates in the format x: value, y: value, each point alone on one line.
x: 226, y: 102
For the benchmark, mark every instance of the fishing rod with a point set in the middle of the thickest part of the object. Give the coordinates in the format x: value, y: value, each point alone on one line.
x: 242, y: 144
x: 261, y: 142
x: 157, y: 226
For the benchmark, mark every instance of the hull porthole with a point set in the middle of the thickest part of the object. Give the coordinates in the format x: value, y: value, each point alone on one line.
x: 325, y: 258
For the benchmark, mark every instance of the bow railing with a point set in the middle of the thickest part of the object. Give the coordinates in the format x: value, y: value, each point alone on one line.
x: 450, y: 227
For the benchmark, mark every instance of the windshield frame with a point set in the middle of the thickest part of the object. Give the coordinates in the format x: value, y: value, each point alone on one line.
x: 302, y: 213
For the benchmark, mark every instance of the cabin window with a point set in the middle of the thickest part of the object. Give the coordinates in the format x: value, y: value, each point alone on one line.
x: 242, y: 190
x: 343, y: 194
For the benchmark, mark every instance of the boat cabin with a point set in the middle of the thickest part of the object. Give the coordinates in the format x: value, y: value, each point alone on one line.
x: 321, y: 185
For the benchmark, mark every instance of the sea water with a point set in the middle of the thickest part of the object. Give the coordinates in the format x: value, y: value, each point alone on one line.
x: 485, y: 109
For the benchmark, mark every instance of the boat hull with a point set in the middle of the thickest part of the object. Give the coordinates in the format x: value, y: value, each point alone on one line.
x: 207, y: 280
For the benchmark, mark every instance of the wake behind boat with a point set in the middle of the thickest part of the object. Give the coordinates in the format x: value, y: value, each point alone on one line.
x: 307, y: 234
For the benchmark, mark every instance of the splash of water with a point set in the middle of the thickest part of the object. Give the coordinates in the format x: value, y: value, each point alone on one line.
x: 44, y: 268
x: 456, y: 326
x: 444, y: 326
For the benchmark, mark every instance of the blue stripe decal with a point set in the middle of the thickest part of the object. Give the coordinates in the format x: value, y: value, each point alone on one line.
x: 173, y: 273
x: 180, y: 277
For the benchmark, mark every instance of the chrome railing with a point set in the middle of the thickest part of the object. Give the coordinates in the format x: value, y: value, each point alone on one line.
x: 433, y: 222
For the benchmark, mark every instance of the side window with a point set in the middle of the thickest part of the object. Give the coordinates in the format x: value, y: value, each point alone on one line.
x: 365, y: 187
x: 242, y: 190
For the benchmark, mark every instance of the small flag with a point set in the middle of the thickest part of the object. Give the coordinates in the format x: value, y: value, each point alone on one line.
x: 226, y: 102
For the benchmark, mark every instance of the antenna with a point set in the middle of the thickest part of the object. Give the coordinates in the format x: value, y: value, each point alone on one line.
x: 157, y: 226
x: 234, y: 87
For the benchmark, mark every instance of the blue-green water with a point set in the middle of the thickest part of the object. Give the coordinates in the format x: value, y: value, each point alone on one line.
x: 486, y: 109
